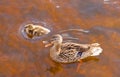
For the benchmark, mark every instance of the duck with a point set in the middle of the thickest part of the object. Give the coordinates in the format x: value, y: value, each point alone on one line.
x: 33, y: 30
x: 69, y: 52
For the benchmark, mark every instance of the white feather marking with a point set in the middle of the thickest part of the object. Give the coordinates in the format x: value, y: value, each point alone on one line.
x: 96, y: 51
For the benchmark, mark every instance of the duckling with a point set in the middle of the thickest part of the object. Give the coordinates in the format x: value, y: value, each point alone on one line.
x: 35, y: 30
x: 69, y: 52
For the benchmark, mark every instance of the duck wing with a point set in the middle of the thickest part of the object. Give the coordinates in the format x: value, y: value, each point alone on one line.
x: 76, y: 47
x: 71, y: 52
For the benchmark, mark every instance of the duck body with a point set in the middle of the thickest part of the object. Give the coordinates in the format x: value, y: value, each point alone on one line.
x: 69, y: 52
x: 72, y: 52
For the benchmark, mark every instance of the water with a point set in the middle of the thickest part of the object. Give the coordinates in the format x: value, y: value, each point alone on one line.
x: 26, y: 58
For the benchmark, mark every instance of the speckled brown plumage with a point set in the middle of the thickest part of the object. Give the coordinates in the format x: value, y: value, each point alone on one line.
x: 71, y: 52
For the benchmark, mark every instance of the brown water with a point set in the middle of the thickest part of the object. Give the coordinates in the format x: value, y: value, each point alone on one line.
x: 20, y: 57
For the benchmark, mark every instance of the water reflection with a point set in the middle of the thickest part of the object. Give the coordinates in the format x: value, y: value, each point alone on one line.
x: 55, y: 69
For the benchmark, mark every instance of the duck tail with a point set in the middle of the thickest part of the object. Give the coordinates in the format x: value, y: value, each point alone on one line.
x: 96, y: 50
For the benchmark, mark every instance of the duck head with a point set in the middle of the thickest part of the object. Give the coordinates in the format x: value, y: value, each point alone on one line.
x: 29, y: 30
x: 55, y: 40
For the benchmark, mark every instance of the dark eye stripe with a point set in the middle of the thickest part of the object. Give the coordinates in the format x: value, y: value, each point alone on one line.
x: 54, y: 37
x: 31, y: 31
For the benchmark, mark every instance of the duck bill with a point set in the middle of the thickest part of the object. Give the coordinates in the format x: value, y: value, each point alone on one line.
x: 47, y: 43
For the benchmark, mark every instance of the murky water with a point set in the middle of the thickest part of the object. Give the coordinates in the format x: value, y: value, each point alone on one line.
x: 20, y: 57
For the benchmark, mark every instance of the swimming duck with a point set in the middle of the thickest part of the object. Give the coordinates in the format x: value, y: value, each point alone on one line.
x: 35, y: 30
x: 69, y: 52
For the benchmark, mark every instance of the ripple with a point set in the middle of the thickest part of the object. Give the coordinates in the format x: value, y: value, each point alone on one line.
x: 113, y: 3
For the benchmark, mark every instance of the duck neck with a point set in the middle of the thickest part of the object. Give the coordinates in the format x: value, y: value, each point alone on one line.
x: 55, y: 50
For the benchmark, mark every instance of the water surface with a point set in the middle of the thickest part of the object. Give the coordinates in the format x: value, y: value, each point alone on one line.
x: 20, y: 57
